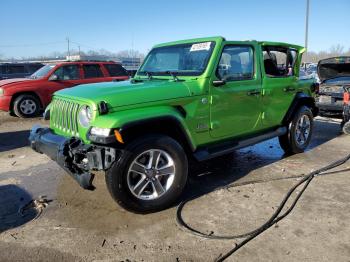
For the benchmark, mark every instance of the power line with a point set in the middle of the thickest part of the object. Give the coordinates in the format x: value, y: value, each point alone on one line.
x: 29, y: 45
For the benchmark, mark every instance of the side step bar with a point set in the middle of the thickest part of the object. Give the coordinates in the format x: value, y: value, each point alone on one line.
x: 211, y: 152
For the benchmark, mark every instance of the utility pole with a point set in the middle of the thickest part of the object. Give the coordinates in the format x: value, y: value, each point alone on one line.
x: 79, y: 50
x: 307, y: 23
x: 132, y: 50
x: 68, y: 51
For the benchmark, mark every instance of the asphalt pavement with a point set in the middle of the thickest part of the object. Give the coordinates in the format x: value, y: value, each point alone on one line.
x: 71, y: 224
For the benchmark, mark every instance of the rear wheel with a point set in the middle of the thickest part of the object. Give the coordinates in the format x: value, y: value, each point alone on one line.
x: 299, y: 132
x: 26, y: 106
x: 150, y: 175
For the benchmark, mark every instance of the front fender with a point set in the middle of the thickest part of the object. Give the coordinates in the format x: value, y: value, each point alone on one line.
x: 129, y: 118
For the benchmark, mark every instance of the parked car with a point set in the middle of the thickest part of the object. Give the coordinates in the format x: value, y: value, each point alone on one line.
x: 346, y: 111
x: 312, y: 71
x: 26, y: 97
x: 192, y: 99
x: 16, y: 70
x: 132, y: 72
x: 334, y: 75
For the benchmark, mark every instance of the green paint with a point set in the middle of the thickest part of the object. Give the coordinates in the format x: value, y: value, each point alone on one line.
x: 227, y: 113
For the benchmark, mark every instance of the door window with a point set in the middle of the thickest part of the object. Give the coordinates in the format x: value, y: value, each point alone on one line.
x: 92, y: 71
x: 16, y: 69
x: 279, y: 61
x: 67, y: 72
x: 3, y: 69
x: 115, y: 70
x: 33, y: 67
x: 236, y: 63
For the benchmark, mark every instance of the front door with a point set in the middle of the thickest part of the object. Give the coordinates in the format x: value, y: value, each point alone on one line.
x: 66, y: 76
x: 235, y: 104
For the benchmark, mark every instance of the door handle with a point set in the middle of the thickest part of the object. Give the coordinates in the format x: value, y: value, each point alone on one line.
x: 289, y: 89
x: 253, y: 92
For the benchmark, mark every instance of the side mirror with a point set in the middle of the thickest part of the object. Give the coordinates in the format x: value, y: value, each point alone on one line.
x: 219, y: 83
x: 53, y: 77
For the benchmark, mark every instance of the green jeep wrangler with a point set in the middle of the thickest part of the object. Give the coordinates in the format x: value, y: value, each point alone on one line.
x: 192, y: 99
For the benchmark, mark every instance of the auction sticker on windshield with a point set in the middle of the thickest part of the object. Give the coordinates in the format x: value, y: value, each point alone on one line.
x: 200, y: 46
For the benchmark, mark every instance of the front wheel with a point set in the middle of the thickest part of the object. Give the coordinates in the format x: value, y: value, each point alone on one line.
x: 346, y: 128
x: 299, y: 132
x: 26, y: 106
x: 150, y: 175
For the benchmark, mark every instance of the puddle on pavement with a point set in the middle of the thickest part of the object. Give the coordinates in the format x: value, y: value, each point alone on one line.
x: 12, y: 199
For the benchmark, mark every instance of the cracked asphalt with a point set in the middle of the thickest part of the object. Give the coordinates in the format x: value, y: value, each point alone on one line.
x: 83, y: 225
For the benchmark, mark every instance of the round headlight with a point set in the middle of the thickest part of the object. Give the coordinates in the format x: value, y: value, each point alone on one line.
x: 85, y: 116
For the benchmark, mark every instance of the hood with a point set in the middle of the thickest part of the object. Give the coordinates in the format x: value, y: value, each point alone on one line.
x: 117, y: 94
x: 333, y: 67
x: 13, y: 80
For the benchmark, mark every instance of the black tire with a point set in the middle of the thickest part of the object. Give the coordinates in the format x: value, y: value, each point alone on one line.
x: 117, y: 176
x: 289, y: 142
x: 26, y: 100
x: 346, y: 128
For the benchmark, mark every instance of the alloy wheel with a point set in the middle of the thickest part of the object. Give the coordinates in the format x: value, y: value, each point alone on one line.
x: 151, y: 174
x: 302, y: 130
x: 28, y: 106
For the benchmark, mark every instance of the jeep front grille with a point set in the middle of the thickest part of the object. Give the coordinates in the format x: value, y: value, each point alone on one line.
x: 64, y: 116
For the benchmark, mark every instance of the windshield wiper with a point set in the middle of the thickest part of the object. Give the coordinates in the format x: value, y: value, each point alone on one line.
x: 149, y: 74
x: 171, y: 73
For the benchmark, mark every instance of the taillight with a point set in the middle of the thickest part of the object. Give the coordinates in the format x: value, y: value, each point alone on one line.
x: 315, y: 88
x: 346, y: 98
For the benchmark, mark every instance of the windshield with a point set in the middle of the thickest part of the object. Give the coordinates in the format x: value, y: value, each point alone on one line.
x: 184, y: 59
x: 338, y: 80
x: 42, y: 71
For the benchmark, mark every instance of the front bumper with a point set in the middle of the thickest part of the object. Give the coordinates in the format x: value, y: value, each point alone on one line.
x: 5, y: 102
x: 75, y: 157
x: 330, y: 103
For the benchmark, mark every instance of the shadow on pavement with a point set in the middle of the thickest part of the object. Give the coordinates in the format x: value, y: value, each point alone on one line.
x: 12, y: 199
x: 13, y: 140
x: 219, y: 172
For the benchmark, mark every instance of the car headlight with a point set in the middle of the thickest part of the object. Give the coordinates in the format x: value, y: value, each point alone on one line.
x: 85, y: 116
x: 1, y: 91
x: 97, y: 131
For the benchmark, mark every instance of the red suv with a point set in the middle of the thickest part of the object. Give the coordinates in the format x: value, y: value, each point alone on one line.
x: 26, y: 97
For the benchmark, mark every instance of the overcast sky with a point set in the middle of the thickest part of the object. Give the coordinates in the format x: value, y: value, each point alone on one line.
x: 39, y: 27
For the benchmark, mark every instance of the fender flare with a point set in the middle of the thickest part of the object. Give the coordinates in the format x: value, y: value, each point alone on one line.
x: 299, y: 100
x: 154, y: 121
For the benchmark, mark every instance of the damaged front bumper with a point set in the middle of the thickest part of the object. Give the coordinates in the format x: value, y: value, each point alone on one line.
x: 75, y: 157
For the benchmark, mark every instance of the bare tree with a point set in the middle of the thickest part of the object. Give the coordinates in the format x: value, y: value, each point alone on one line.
x: 336, y: 50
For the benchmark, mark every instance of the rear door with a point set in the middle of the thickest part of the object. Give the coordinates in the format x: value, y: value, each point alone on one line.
x: 92, y: 73
x: 16, y: 71
x: 115, y: 72
x: 3, y: 69
x: 279, y: 83
x: 236, y: 104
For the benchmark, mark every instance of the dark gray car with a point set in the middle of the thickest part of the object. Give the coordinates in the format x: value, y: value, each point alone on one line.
x: 18, y: 70
x: 334, y: 74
